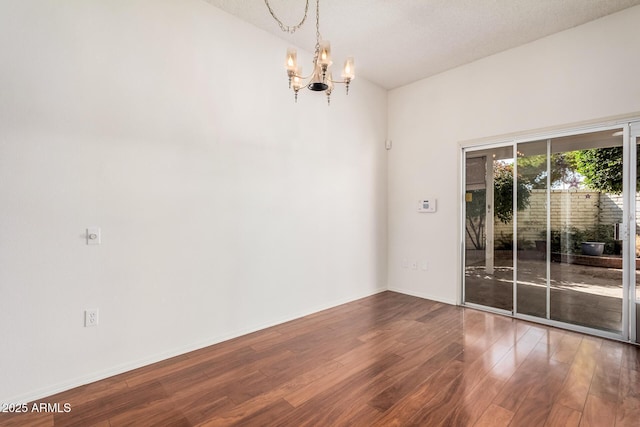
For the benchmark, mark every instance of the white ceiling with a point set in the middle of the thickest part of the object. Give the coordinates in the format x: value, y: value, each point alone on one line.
x: 396, y: 42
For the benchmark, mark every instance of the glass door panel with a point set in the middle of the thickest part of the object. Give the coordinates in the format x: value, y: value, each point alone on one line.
x: 488, y: 274
x: 586, y: 204
x: 532, y: 218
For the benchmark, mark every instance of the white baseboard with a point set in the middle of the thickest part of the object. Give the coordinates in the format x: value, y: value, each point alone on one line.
x: 119, y: 369
x: 422, y: 295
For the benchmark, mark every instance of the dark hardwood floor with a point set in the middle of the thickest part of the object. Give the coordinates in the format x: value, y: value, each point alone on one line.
x: 386, y: 360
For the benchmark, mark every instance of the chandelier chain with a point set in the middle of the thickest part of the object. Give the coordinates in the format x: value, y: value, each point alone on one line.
x: 287, y: 28
x: 317, y: 29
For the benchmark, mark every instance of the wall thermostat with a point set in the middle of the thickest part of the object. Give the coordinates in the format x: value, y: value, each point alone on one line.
x: 427, y: 205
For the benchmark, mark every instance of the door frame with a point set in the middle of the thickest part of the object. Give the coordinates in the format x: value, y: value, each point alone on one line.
x: 463, y: 223
x: 632, y: 135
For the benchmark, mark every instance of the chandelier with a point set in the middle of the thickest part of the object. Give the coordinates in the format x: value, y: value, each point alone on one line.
x: 321, y: 78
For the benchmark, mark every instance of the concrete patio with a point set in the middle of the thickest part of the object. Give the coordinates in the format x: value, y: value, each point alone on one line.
x: 582, y: 295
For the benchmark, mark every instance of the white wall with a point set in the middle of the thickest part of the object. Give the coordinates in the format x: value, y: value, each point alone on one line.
x: 586, y: 73
x: 224, y: 206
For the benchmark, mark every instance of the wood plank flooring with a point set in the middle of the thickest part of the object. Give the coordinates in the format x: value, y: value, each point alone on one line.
x: 386, y: 360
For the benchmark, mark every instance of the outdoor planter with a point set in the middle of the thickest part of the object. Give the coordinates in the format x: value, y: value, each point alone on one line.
x: 592, y: 248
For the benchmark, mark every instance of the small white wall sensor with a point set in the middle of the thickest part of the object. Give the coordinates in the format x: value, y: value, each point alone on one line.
x: 93, y: 236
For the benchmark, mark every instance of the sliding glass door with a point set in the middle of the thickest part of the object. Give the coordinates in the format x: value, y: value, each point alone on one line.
x: 574, y: 205
x: 488, y: 255
x: 586, y: 275
x: 532, y: 229
x: 564, y: 251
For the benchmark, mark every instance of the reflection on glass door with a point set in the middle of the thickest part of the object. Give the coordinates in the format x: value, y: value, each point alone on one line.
x: 488, y: 278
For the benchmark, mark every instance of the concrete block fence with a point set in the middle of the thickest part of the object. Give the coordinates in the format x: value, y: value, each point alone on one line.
x: 582, y: 209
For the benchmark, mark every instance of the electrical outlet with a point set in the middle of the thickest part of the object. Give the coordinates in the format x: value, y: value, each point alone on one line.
x: 91, y: 317
x: 414, y: 265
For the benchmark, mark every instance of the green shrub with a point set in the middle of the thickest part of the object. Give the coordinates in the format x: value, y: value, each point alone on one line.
x: 505, y: 242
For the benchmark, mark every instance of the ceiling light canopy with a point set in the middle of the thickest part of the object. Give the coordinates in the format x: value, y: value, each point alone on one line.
x: 321, y: 78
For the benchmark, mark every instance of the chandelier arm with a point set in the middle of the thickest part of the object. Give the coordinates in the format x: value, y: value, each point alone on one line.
x: 304, y: 81
x: 304, y: 78
x: 287, y: 28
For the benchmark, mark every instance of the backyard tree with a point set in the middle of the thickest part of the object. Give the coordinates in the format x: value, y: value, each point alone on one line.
x: 534, y: 170
x: 601, y: 168
x: 502, y: 203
